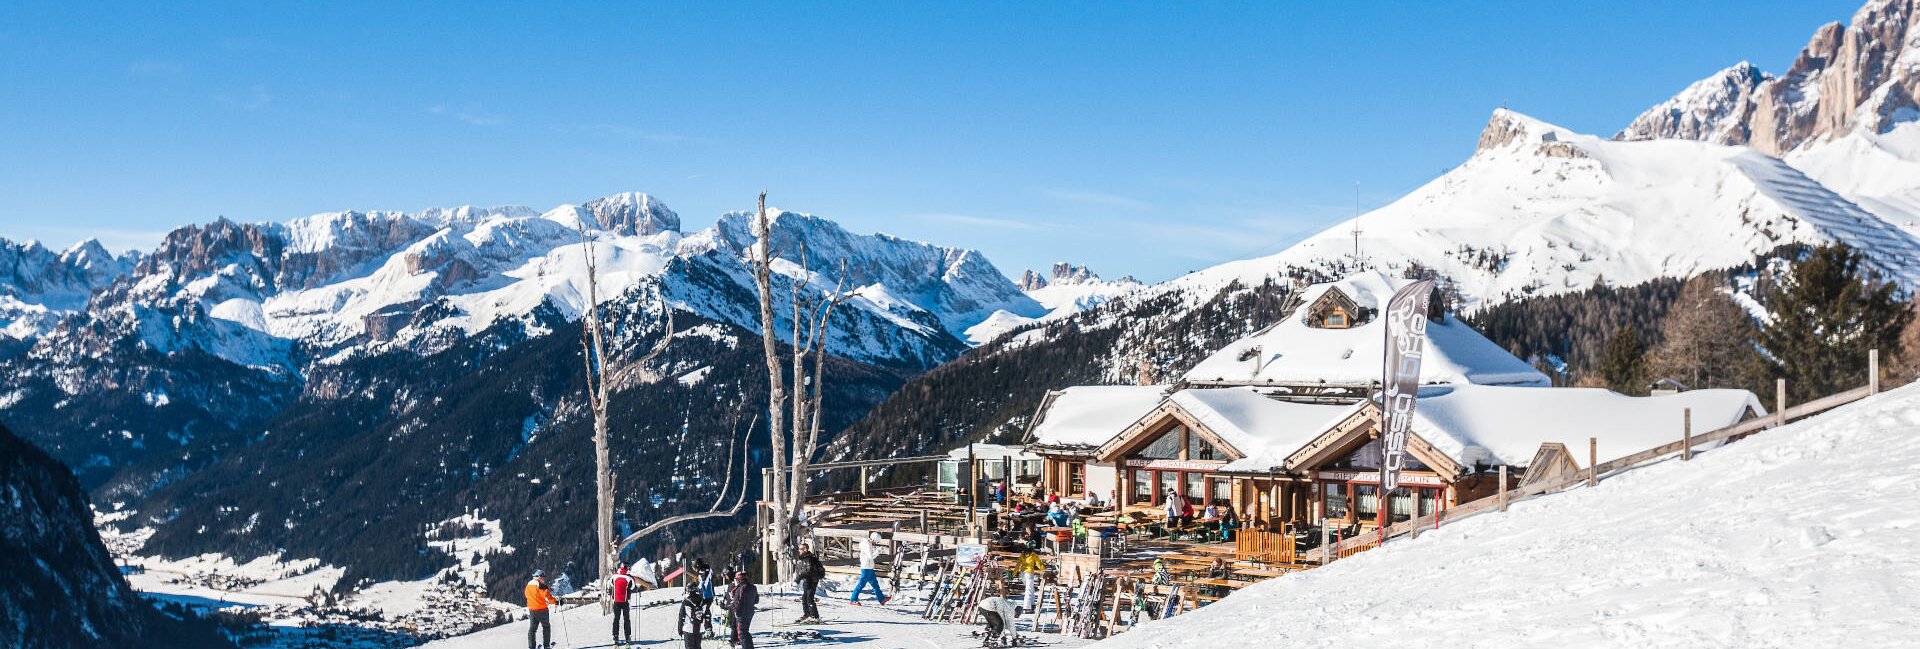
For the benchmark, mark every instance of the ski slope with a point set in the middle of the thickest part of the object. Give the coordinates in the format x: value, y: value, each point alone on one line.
x: 1798, y: 537
x: 895, y: 626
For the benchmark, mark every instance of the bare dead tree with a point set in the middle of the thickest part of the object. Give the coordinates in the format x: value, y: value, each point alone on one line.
x: 809, y: 391
x: 796, y: 434
x: 762, y: 259
x: 599, y: 369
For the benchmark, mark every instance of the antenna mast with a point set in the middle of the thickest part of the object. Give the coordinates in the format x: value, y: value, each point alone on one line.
x: 1356, y: 223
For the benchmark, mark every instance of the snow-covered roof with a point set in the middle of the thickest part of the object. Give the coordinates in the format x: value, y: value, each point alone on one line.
x: 1492, y: 425
x: 1089, y: 415
x: 1292, y: 352
x: 1264, y: 429
x: 991, y: 452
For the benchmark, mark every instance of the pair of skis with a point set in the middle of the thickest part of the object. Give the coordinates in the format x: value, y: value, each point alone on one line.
x: 1085, y: 621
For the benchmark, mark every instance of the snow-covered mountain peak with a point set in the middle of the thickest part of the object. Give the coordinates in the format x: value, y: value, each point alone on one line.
x: 1511, y: 131
x: 1713, y: 109
x: 1061, y: 273
x: 1863, y: 75
x: 632, y: 213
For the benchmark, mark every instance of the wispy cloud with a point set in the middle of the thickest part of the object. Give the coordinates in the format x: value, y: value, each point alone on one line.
x: 155, y: 68
x: 631, y: 133
x: 982, y: 221
x: 471, y: 115
x: 1099, y: 199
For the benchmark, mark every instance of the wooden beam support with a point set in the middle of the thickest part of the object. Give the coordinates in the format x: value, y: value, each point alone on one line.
x: 1593, y: 461
x: 1873, y: 371
x: 1686, y: 434
x: 1503, y: 487
x: 1780, y: 402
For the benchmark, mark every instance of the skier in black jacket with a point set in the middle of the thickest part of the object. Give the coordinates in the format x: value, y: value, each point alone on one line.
x: 694, y: 618
x: 741, y: 600
x: 811, y: 572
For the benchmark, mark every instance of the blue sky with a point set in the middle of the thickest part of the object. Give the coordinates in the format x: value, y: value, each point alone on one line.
x: 1150, y: 139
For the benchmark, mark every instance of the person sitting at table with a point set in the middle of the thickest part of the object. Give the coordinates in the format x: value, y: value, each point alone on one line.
x: 1211, y: 514
x: 1056, y: 516
x: 1229, y: 521
x: 1093, y: 499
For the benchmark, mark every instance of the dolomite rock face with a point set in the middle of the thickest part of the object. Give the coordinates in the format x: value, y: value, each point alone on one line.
x: 1864, y: 76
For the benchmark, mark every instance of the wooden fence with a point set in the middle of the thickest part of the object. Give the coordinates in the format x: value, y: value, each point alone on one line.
x: 1683, y: 446
x: 1261, y: 546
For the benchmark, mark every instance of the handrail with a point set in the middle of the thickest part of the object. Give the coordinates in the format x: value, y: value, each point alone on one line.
x: 1348, y: 547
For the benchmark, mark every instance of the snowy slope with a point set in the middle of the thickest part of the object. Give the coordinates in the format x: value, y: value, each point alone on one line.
x: 1539, y: 210
x: 1878, y: 171
x: 1797, y: 537
x: 895, y: 626
x: 1069, y: 290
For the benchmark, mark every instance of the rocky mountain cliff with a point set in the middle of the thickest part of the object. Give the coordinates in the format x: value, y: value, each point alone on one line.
x: 1863, y: 75
x: 37, y: 285
x: 62, y: 588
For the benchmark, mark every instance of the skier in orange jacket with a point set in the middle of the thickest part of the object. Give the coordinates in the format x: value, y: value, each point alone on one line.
x: 538, y: 599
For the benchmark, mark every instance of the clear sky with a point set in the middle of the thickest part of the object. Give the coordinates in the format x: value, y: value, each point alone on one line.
x: 1140, y: 138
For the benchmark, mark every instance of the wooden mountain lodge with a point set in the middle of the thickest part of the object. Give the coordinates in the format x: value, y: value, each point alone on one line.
x: 1273, y: 444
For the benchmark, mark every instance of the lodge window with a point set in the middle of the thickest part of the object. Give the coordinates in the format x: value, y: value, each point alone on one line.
x: 1400, y: 504
x: 1367, y: 501
x: 1167, y: 484
x: 1196, y: 488
x: 1222, y: 491
x: 1336, y: 505
x: 1165, y: 447
x: 1199, y: 449
x: 1429, y: 501
x: 1336, y: 320
x: 1142, y: 487
x: 1077, y: 478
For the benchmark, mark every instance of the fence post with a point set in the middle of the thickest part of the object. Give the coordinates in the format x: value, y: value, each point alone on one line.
x: 1503, y: 487
x: 1780, y: 402
x: 1593, y: 461
x: 923, y: 521
x: 1686, y: 434
x: 1873, y: 371
x: 863, y: 481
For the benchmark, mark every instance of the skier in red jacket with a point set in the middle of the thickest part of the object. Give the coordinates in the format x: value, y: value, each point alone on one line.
x: 623, y: 587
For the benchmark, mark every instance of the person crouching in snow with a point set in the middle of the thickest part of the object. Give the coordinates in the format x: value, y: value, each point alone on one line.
x: 622, y: 585
x: 695, y: 618
x: 740, y: 603
x: 868, y: 554
x: 998, y: 614
x: 539, y: 600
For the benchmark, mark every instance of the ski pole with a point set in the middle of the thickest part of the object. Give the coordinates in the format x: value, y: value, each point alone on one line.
x: 564, y: 631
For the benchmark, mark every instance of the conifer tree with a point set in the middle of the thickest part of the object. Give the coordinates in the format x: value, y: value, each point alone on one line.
x: 1827, y: 312
x: 1623, y: 365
